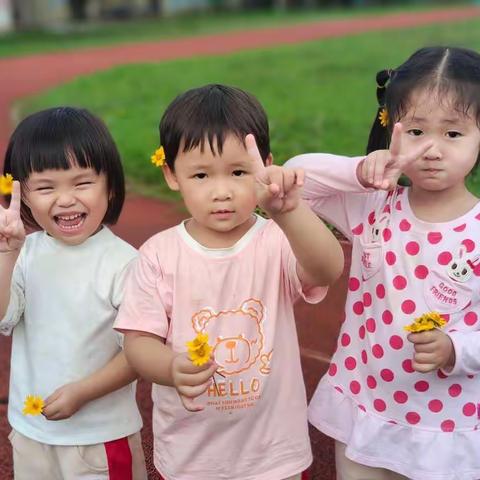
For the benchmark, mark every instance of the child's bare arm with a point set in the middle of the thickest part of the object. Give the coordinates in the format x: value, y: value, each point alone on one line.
x: 318, y: 253
x: 69, y: 398
x: 158, y: 363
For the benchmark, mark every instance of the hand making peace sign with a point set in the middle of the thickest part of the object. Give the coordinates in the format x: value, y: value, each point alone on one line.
x: 381, y: 169
x: 278, y: 188
x: 12, y: 231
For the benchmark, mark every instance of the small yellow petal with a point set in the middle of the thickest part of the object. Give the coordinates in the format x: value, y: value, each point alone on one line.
x: 33, y: 405
x: 6, y: 184
x: 158, y: 158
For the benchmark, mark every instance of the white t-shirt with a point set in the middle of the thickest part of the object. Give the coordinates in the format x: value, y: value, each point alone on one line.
x: 63, y: 303
x: 254, y: 426
x: 422, y: 425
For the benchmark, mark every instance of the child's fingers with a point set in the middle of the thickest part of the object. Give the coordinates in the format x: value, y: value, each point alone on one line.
x: 15, y: 199
x: 190, y: 405
x: 378, y: 172
x: 396, y: 140
x: 253, y: 152
x: 416, y: 153
x: 300, y: 176
x: 424, y: 367
x: 421, y: 337
x: 289, y: 180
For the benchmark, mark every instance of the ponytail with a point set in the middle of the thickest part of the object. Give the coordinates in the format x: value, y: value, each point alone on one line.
x: 379, y: 135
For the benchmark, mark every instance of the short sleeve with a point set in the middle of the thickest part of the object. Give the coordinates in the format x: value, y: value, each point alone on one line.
x: 145, y: 304
x: 16, y: 305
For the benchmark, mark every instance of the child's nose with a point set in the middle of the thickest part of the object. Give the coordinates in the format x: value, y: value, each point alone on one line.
x: 222, y: 192
x: 65, y: 199
x: 434, y: 152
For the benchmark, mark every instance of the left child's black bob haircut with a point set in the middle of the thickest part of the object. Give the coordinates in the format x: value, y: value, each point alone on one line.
x: 209, y: 114
x: 55, y: 139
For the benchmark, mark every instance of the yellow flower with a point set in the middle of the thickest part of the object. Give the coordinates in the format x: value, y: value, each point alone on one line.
x: 158, y: 158
x: 428, y: 321
x: 199, y: 350
x: 6, y: 184
x: 33, y: 405
x: 383, y: 117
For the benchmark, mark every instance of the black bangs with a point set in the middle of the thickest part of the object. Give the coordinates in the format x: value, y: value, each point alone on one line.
x: 207, y: 115
x: 59, y: 138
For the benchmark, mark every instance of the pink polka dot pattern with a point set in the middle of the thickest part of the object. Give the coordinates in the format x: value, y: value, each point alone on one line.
x: 387, y: 234
x: 396, y: 342
x: 444, y: 258
x: 387, y: 209
x: 400, y: 396
x: 364, y: 357
x: 371, y: 382
x: 380, y: 291
x: 469, y: 245
x: 332, y: 370
x: 371, y: 325
x: 350, y: 363
x: 345, y: 340
x: 455, y: 390
x: 399, y: 282
x: 447, y: 426
x: 408, y: 307
x: 405, y: 225
x: 398, y: 206
x: 434, y: 237
x: 358, y: 229
x: 422, y: 386
x: 441, y: 375
x: 421, y: 272
x: 469, y: 409
x: 435, y: 406
x: 353, y: 284
x: 412, y: 417
x: 387, y: 375
x: 361, y: 331
x: 355, y: 387
x: 390, y: 258
x: 460, y: 228
x: 358, y: 308
x: 407, y: 366
x: 387, y: 317
x: 377, y: 351
x: 379, y: 405
x: 470, y: 318
x: 367, y: 299
x: 412, y: 248
x: 371, y: 218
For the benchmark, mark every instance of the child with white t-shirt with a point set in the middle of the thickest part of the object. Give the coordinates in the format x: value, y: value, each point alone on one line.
x: 235, y: 276
x: 60, y: 289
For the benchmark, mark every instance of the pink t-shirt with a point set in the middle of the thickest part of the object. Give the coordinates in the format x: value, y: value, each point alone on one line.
x: 424, y: 426
x: 255, y: 425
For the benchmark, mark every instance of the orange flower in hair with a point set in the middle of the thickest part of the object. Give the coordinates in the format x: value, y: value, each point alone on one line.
x: 158, y: 158
x: 383, y: 117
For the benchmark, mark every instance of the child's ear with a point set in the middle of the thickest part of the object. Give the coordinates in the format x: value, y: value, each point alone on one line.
x: 269, y: 160
x: 170, y: 178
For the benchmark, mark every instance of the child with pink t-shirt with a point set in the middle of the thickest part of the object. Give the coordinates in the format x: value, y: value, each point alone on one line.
x: 233, y: 275
x: 407, y: 405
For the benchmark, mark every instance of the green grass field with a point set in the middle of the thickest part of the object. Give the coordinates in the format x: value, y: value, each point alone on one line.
x: 149, y: 29
x: 319, y: 96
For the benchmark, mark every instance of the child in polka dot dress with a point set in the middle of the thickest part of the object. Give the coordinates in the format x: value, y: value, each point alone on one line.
x: 407, y: 405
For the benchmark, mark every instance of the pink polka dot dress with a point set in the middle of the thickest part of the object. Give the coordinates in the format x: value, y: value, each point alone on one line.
x: 424, y: 426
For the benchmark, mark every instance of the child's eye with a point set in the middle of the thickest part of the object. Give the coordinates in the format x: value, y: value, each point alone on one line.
x: 239, y: 173
x: 453, y: 134
x: 415, y: 132
x: 200, y: 176
x: 83, y: 184
x: 44, y: 189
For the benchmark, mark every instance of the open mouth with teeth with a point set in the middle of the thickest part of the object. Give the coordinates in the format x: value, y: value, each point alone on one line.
x: 70, y: 223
